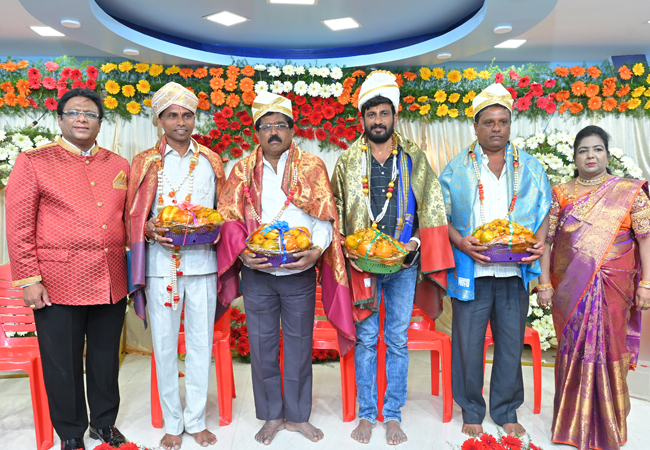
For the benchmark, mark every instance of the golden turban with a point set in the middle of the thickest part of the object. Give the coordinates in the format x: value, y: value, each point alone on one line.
x: 379, y: 82
x: 173, y: 94
x: 266, y: 102
x: 495, y: 94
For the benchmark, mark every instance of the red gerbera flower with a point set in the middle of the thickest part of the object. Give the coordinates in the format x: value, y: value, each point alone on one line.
x: 523, y: 81
x: 51, y: 104
x: 227, y: 112
x: 92, y: 72
x: 498, y: 78
x: 321, y: 134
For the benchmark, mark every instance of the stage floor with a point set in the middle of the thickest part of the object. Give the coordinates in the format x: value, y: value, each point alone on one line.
x: 421, y: 417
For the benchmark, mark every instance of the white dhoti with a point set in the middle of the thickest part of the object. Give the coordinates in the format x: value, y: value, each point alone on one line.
x: 199, y: 295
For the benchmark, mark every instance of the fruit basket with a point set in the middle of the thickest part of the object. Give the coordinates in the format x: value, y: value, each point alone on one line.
x: 507, y: 241
x: 377, y: 252
x: 278, y: 242
x: 190, y: 224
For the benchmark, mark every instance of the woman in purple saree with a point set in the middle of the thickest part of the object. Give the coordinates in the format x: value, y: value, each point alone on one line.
x: 600, y: 228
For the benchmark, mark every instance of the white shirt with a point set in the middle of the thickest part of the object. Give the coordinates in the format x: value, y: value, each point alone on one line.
x: 86, y: 153
x: 496, y: 204
x: 196, y: 259
x: 273, y: 199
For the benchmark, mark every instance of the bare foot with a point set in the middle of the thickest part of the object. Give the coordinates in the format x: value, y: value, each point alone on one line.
x: 204, y: 438
x: 363, y: 431
x: 308, y: 430
x: 394, y: 433
x: 472, y: 430
x: 171, y: 441
x: 514, y: 429
x: 268, y: 430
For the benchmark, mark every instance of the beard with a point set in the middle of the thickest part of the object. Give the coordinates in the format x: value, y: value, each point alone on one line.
x: 379, y: 133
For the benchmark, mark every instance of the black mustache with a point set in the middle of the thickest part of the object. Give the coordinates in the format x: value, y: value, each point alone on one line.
x: 379, y: 126
x: 274, y: 138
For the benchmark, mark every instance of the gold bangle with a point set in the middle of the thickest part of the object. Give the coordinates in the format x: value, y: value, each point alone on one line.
x: 318, y: 247
x: 545, y: 287
x: 644, y: 284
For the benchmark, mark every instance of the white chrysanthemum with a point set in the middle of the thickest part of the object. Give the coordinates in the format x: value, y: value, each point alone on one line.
x: 617, y: 152
x: 22, y: 141
x: 288, y: 85
x: 636, y: 173
x: 532, y: 300
x: 40, y: 140
x: 544, y: 345
x: 530, y: 311
x: 313, y: 71
x: 12, y: 150
x: 619, y: 173
x: 552, y: 140
x: 566, y: 179
x: 274, y: 71
x: 337, y: 89
x: 538, y: 312
x: 4, y: 154
x: 300, y: 70
x: 261, y: 86
x: 4, y: 181
x: 565, y: 149
x: 520, y: 142
x: 323, y: 71
x: 3, y: 135
x: 336, y: 73
x: 314, y: 89
x: 277, y: 87
x: 260, y: 67
x: 553, y: 341
x: 300, y: 87
x: 325, y: 91
x: 540, y: 137
x: 531, y: 142
x: 288, y: 69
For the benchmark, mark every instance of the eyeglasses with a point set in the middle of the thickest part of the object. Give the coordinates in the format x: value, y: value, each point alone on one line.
x: 267, y: 127
x: 74, y: 114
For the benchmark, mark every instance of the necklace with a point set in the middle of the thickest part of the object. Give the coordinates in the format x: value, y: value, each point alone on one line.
x: 593, y: 182
x: 365, y: 185
x: 481, y: 193
x: 287, y: 202
x: 584, y: 207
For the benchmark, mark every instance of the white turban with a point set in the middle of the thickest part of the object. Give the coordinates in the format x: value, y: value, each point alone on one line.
x: 494, y: 94
x: 379, y: 82
x: 266, y: 102
x: 173, y: 94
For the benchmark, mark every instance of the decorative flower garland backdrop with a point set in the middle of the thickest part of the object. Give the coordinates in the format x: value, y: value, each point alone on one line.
x: 324, y: 98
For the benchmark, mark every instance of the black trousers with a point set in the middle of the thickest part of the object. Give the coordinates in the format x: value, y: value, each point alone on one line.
x: 62, y: 331
x: 267, y: 299
x: 503, y: 302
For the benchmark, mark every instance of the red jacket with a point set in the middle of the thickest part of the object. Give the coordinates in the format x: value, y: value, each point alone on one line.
x: 65, y: 223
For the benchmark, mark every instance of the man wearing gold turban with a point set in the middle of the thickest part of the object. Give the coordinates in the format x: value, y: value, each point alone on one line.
x: 491, y: 179
x: 176, y: 169
x: 385, y: 181
x: 281, y: 185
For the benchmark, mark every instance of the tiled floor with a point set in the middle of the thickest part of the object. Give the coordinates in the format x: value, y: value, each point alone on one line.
x: 422, y: 415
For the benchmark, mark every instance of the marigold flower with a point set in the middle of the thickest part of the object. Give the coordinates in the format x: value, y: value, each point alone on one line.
x: 609, y: 104
x: 230, y: 84
x: 106, y: 68
x: 143, y: 86
x: 469, y: 97
x: 425, y: 109
x: 232, y: 100
x: 133, y: 107
x: 561, y: 71
x: 638, y: 70
x: 409, y: 99
x: 155, y: 70
x: 638, y: 92
x: 110, y: 102
x: 423, y: 99
x: 578, y: 88
x: 470, y: 73
x: 623, y: 91
x: 201, y: 72
x: 425, y: 73
x: 453, y: 98
x: 186, y: 72
x: 23, y: 87
x: 634, y: 103
x: 624, y: 72
x: 218, y: 97
x: 595, y: 103
x: 592, y: 90
x: 128, y: 90
x: 112, y: 87
x: 51, y: 104
x: 147, y: 102
x: 440, y: 96
x: 414, y: 107
x: 246, y: 84
x: 454, y: 76
x: 438, y: 72
x: 409, y: 76
x: 453, y: 113
x: 125, y: 66
x: 623, y: 106
x: 484, y: 75
x: 172, y: 70
x: 577, y: 71
x: 217, y: 83
x: 442, y: 110
x: 358, y: 73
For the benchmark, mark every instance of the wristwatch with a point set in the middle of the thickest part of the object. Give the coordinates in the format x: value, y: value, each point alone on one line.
x: 416, y: 240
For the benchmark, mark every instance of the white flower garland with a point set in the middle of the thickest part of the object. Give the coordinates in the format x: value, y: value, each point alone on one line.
x: 11, y: 145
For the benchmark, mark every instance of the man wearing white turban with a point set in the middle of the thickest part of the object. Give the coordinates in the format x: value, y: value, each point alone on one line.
x: 176, y: 169
x: 492, y: 179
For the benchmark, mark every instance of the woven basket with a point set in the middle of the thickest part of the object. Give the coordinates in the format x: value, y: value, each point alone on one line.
x: 194, y: 236
x: 503, y: 254
x: 370, y: 266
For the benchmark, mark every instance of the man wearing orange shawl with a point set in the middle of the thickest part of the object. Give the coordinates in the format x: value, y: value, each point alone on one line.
x: 176, y: 169
x: 385, y: 180
x: 281, y: 185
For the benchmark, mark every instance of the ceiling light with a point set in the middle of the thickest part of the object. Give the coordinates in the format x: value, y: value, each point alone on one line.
x: 131, y: 51
x: 343, y: 23
x: 293, y: 2
x: 444, y: 55
x: 226, y: 18
x: 46, y: 31
x: 70, y: 23
x: 512, y: 43
x: 501, y: 29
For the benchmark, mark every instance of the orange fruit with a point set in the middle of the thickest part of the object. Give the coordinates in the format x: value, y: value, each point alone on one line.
x: 273, y: 234
x: 257, y: 239
x: 167, y: 214
x: 486, y: 236
x: 303, y: 242
x: 290, y: 243
x: 270, y: 244
x: 305, y: 231
x: 352, y: 241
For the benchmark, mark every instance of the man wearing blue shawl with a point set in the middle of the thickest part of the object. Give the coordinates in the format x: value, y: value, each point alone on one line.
x: 491, y: 179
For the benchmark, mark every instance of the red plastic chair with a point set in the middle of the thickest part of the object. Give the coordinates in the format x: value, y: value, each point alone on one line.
x: 326, y: 338
x: 224, y: 372
x: 531, y: 338
x: 422, y: 335
x: 22, y: 353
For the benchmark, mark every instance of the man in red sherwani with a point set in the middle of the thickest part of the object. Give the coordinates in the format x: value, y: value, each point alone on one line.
x: 66, y: 239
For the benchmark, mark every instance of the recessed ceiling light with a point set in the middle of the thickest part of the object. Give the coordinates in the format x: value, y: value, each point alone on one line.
x: 512, y: 43
x: 70, y: 23
x: 501, y: 29
x: 131, y: 51
x: 343, y: 23
x: 444, y: 55
x: 46, y: 31
x: 293, y: 2
x: 226, y: 18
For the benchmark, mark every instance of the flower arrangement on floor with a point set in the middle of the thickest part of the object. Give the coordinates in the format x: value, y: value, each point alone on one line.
x: 555, y: 152
x: 541, y: 320
x: 501, y: 442
x: 12, y: 142
x: 125, y: 446
x: 240, y: 346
